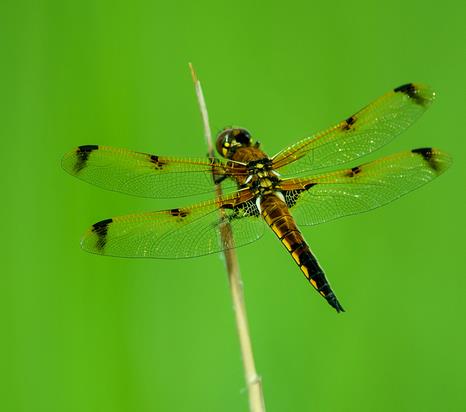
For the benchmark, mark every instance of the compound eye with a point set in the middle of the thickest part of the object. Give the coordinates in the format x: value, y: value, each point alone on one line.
x: 242, y: 136
x: 223, y: 140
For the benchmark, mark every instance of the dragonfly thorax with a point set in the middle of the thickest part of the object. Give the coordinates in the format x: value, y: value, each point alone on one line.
x: 262, y: 180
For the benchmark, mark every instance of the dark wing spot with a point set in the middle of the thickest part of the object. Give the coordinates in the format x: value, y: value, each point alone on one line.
x: 82, y: 155
x: 250, y: 208
x: 354, y: 171
x: 101, y: 230
x: 179, y: 212
x: 88, y: 148
x: 413, y: 92
x: 244, y: 209
x: 349, y: 122
x: 428, y: 155
x: 159, y: 164
x: 292, y: 196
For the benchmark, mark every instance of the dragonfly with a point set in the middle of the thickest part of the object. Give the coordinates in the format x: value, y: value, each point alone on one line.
x: 284, y: 192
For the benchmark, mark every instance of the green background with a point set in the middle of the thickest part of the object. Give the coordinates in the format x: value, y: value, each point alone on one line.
x: 86, y: 333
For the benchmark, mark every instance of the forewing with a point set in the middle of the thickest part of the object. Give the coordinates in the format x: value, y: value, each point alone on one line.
x: 178, y: 233
x: 360, y: 134
x: 322, y: 198
x: 144, y: 174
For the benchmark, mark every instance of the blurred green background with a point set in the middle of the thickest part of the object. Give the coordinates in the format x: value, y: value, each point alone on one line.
x: 86, y: 333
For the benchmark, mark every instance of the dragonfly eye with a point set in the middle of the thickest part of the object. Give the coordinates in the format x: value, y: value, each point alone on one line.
x: 242, y: 136
x: 223, y: 142
x: 230, y: 139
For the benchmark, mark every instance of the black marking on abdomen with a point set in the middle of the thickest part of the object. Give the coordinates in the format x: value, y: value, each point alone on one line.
x: 101, y: 230
x: 413, y: 92
x: 332, y: 300
x: 428, y: 155
x: 179, y: 213
x: 297, y: 246
x: 278, y: 221
x: 287, y: 233
x: 317, y: 279
x: 82, y: 155
x: 307, y: 259
x: 282, y: 224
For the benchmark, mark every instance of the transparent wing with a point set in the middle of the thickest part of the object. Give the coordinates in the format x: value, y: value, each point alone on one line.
x: 178, y: 233
x: 322, y: 198
x: 360, y: 134
x: 144, y: 174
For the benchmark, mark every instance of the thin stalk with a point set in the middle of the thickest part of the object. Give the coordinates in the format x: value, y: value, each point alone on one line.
x: 253, y: 380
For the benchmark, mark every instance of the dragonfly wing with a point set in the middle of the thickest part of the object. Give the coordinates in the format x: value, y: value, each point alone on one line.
x: 326, y: 197
x: 360, y: 134
x: 144, y: 174
x: 178, y: 233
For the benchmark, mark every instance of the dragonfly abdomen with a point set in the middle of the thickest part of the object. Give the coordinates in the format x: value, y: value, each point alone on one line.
x: 275, y: 212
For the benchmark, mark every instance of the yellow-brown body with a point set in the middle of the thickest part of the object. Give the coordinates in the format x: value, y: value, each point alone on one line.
x: 265, y: 183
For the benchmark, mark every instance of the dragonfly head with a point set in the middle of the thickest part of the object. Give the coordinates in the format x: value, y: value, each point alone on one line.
x: 231, y: 139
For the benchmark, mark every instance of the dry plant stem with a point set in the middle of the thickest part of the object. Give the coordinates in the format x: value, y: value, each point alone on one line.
x: 253, y: 381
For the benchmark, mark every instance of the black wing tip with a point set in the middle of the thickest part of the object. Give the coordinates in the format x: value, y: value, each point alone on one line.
x: 87, y: 148
x: 438, y: 161
x: 102, y: 224
x: 421, y: 95
x: 75, y: 160
x: 407, y: 88
x: 100, y: 229
x: 425, y: 152
x: 82, y: 155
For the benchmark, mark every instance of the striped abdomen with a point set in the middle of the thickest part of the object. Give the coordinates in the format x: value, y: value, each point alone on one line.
x: 276, y: 214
